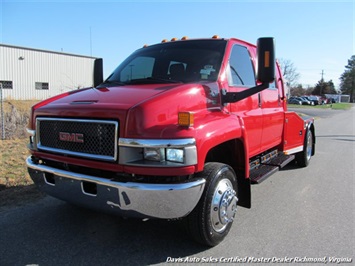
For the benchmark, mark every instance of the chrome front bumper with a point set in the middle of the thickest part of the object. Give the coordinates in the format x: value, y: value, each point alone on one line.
x: 165, y: 201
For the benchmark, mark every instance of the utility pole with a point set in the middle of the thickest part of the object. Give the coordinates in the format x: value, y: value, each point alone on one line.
x: 322, y: 75
x: 321, y: 82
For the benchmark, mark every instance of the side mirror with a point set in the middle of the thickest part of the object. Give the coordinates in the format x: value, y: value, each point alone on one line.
x: 98, y: 72
x: 265, y: 74
x: 266, y: 60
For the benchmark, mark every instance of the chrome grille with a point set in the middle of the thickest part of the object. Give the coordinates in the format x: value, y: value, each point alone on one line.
x: 96, y: 139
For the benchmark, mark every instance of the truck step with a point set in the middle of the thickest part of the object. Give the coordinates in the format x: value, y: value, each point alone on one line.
x: 259, y: 174
x: 280, y: 160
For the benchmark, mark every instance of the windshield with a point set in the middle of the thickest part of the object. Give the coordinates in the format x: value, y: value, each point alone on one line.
x: 179, y: 61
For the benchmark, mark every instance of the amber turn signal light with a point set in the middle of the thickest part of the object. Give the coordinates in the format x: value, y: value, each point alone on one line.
x: 186, y: 119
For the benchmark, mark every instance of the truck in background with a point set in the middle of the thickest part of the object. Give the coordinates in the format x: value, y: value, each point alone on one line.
x: 180, y: 130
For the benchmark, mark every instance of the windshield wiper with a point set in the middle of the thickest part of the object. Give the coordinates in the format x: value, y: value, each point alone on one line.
x: 164, y: 80
x: 152, y: 80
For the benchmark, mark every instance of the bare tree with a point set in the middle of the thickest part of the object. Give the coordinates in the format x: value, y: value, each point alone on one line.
x: 297, y: 90
x: 289, y: 72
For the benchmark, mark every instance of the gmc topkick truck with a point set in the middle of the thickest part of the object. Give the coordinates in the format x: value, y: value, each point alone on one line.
x: 181, y: 129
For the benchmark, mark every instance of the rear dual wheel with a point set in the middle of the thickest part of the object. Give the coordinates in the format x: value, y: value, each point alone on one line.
x: 209, y: 223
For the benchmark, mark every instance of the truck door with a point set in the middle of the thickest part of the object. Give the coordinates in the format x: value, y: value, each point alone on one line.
x: 241, y: 76
x: 273, y: 113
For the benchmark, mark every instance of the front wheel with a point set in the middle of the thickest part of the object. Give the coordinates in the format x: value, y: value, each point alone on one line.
x: 209, y: 223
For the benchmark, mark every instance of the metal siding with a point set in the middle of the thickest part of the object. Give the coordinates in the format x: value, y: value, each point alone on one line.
x: 63, y: 72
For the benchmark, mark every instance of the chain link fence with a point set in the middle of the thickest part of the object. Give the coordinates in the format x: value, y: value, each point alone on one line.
x: 13, y: 122
x: 14, y: 117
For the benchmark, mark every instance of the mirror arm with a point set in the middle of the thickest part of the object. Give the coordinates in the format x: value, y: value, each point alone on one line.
x: 232, y: 97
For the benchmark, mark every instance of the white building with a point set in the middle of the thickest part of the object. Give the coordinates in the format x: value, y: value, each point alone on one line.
x: 338, y: 98
x: 33, y: 74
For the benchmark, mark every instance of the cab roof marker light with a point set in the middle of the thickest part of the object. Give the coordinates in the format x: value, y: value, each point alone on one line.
x: 215, y: 37
x: 164, y: 40
x: 174, y: 39
x: 184, y: 38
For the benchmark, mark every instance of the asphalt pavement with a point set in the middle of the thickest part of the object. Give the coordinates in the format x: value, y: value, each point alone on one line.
x: 315, y: 112
x: 297, y: 216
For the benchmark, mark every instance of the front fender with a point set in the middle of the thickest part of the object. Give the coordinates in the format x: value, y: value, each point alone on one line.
x: 212, y: 133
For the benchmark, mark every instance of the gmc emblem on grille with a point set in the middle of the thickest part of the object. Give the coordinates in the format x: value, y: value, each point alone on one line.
x: 71, y: 137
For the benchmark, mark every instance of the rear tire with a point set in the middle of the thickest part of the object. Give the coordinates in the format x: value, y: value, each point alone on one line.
x: 304, y: 156
x: 209, y: 223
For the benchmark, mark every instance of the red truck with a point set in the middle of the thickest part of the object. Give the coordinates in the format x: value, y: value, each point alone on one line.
x: 180, y: 130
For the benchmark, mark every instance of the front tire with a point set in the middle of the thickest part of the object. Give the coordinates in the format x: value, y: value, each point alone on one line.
x: 209, y: 223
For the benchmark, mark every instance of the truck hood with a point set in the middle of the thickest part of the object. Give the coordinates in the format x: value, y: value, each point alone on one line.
x: 105, y: 102
x: 142, y: 110
x: 121, y: 97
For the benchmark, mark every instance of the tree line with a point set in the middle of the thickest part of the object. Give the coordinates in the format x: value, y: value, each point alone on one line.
x: 347, y: 81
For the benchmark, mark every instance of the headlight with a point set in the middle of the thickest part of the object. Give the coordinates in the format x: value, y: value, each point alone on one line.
x: 154, y: 154
x: 175, y: 155
x: 162, y: 154
x: 158, y: 152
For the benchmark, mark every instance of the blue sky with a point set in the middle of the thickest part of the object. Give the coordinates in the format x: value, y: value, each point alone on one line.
x: 314, y: 35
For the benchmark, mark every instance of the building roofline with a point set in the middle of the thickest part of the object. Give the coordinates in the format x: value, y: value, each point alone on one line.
x: 45, y: 51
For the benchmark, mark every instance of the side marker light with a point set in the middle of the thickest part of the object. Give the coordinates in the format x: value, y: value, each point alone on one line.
x: 267, y: 59
x: 186, y: 119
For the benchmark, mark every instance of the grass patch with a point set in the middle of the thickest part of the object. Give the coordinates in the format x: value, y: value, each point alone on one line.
x: 13, y: 171
x: 16, y: 186
x: 23, y: 106
x: 334, y: 106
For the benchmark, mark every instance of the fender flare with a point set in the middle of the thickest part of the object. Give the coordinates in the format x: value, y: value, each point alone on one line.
x: 220, y: 131
x: 214, y: 133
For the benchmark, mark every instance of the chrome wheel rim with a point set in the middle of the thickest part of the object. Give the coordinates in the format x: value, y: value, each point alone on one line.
x: 309, y: 145
x: 224, y: 205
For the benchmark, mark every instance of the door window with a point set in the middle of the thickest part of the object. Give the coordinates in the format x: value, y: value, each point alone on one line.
x: 241, y: 68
